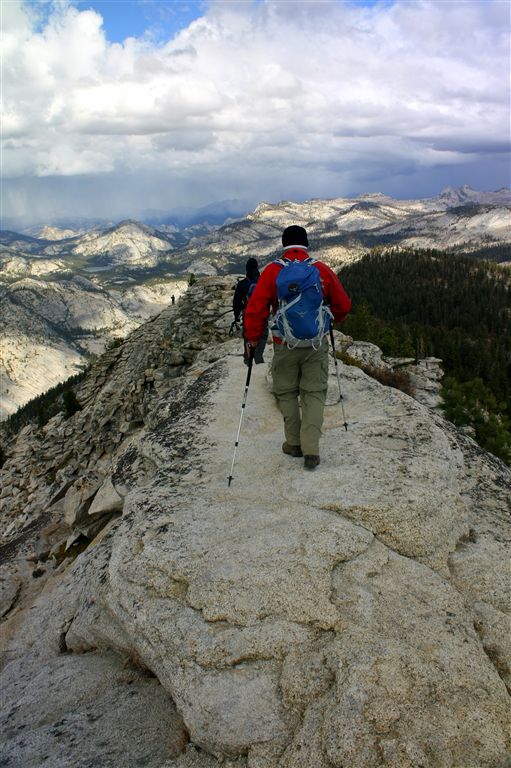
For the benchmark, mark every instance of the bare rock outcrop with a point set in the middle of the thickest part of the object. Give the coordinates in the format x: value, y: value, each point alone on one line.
x: 73, y: 458
x: 353, y: 616
x: 425, y: 374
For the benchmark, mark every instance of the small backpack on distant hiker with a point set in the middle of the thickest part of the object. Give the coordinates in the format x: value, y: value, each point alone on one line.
x: 245, y: 288
x: 243, y: 291
x: 302, y: 318
x: 250, y: 284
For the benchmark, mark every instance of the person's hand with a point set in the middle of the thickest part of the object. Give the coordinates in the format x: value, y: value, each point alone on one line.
x: 250, y: 349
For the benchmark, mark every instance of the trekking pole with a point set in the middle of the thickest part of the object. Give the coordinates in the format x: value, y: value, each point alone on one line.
x: 341, y: 399
x: 249, y: 372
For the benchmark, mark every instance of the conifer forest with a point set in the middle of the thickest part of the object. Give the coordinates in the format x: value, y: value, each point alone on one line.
x: 421, y: 303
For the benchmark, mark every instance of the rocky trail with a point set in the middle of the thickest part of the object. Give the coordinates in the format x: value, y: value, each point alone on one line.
x: 354, y: 616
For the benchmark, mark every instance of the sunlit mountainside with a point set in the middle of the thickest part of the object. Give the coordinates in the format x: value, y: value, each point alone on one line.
x: 68, y: 292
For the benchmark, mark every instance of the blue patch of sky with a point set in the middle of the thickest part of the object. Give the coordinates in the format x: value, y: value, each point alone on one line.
x: 39, y: 12
x: 159, y: 19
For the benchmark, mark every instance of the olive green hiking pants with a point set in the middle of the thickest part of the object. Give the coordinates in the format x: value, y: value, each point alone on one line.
x: 300, y: 382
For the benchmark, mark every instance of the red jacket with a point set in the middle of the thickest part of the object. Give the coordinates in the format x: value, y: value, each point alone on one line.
x: 264, y: 297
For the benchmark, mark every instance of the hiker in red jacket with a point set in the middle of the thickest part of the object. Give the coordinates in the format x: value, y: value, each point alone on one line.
x: 300, y: 373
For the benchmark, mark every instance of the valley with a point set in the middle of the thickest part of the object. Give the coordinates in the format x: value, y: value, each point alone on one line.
x: 67, y: 292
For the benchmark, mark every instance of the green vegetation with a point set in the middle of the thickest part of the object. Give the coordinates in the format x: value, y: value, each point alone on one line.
x: 452, y: 306
x: 472, y: 405
x: 41, y: 409
x: 499, y: 252
x: 114, y: 343
x: 70, y: 403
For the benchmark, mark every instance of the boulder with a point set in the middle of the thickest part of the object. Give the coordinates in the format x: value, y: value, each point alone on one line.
x: 115, y: 716
x: 79, y: 497
x: 106, y: 499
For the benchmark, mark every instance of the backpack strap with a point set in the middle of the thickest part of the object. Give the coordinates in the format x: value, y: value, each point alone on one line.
x: 285, y: 261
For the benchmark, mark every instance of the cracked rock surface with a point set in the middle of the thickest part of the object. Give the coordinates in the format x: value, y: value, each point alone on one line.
x: 353, y: 616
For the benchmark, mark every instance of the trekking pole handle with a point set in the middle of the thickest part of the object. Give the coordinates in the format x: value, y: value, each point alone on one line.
x: 251, y: 352
x: 250, y: 362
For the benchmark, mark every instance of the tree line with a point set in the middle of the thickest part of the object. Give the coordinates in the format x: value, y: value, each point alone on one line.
x: 422, y: 303
x: 42, y: 408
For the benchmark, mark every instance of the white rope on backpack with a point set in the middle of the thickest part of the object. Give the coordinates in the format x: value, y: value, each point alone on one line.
x: 290, y: 339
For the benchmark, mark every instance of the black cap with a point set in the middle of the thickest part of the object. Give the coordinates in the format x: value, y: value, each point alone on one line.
x: 295, y: 235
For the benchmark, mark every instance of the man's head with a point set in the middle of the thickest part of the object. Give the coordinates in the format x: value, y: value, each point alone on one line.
x: 252, y: 267
x: 295, y: 235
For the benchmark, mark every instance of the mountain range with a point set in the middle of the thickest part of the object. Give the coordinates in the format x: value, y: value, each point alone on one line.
x: 66, y: 293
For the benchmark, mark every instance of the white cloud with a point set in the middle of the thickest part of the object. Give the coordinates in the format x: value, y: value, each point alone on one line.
x: 278, y: 87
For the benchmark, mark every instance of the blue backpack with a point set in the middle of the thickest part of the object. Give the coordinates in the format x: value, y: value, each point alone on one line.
x: 302, y: 319
x: 251, y: 286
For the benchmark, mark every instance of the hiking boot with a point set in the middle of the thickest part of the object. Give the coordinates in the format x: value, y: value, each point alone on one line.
x: 292, y: 450
x: 311, y: 461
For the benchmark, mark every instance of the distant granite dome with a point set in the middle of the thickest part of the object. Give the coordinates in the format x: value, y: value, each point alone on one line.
x: 126, y: 242
x: 55, y: 233
x: 466, y: 194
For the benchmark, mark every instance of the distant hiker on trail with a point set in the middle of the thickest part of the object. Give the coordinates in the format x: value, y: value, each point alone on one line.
x: 303, y: 295
x: 173, y: 299
x: 243, y: 291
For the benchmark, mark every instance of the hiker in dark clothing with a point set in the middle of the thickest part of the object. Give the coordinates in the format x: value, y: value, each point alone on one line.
x: 300, y: 366
x: 243, y: 291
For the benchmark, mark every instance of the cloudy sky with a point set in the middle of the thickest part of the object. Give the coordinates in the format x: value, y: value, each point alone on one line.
x: 112, y: 108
